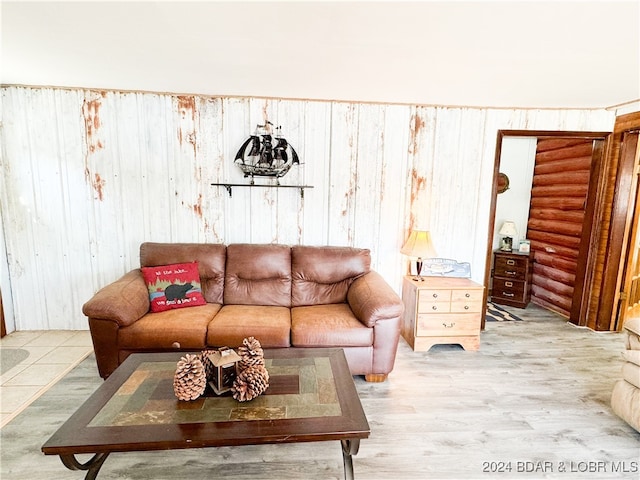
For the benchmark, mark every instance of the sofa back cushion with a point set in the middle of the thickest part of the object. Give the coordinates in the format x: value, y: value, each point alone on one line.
x: 258, y: 275
x: 322, y: 275
x: 210, y: 257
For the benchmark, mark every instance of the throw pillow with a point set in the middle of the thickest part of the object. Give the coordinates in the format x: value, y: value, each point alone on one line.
x: 173, y: 286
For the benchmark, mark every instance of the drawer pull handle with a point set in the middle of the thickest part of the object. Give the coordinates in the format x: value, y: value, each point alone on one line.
x: 467, y: 295
x: 508, y: 284
x: 448, y: 326
x: 509, y: 272
x: 511, y: 262
x: 466, y: 307
x: 435, y: 295
x: 507, y: 294
x: 434, y: 308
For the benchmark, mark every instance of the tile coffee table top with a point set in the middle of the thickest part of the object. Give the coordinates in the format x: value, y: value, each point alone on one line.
x: 298, y: 388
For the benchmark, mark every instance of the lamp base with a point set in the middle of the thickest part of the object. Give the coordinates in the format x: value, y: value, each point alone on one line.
x: 418, y: 277
x: 507, y: 244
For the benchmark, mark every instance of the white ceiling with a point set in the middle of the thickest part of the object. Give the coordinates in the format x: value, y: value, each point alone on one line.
x: 501, y: 54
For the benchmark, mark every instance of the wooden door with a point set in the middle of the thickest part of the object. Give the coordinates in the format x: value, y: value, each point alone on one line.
x: 629, y: 303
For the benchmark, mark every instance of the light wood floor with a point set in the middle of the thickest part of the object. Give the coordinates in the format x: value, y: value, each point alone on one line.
x: 535, y: 397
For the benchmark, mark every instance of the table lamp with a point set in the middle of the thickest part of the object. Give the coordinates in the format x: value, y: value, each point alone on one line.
x: 509, y: 230
x: 419, y: 245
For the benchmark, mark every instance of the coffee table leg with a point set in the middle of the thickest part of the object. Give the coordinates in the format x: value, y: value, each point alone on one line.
x: 92, y: 465
x: 349, y: 448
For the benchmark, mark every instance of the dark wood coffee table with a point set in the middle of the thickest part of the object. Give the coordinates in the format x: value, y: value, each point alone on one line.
x: 311, y: 398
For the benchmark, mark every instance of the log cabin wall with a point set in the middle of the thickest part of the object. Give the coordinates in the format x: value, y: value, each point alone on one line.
x: 556, y: 218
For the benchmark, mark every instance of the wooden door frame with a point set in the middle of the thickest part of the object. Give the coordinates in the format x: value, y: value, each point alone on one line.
x: 594, y: 198
x: 613, y: 238
x: 632, y: 233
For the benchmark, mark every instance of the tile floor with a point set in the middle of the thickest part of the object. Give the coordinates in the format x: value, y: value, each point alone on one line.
x: 52, y: 354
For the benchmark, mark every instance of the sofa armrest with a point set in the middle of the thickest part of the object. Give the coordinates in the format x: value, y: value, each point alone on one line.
x: 372, y: 299
x: 123, y: 301
x: 632, y: 330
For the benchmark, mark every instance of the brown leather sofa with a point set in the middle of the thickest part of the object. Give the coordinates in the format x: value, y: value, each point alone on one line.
x: 285, y: 296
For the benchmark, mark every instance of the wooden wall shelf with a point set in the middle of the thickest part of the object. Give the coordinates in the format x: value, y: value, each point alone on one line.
x: 229, y: 186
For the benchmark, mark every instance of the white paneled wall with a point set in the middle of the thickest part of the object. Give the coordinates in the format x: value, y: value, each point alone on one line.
x: 89, y: 175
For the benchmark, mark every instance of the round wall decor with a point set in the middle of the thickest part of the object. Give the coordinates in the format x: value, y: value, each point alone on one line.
x: 503, y: 183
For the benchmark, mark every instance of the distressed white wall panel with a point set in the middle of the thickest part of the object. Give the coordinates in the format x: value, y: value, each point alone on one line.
x: 185, y: 173
x: 343, y: 173
x: 155, y: 156
x: 455, y: 181
x: 88, y: 176
x: 314, y: 150
x: 237, y: 127
x: 421, y: 162
x: 102, y: 118
x: 43, y: 197
x: 393, y: 206
x: 210, y: 148
x: 368, y: 165
x: 288, y: 204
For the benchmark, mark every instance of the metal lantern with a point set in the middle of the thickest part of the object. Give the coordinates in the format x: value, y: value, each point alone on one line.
x: 266, y: 155
x: 223, y: 369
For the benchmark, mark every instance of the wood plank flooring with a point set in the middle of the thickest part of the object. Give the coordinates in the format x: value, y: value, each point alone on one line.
x: 535, y: 397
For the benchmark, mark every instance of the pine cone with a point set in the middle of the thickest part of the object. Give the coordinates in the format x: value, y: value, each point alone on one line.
x: 251, y: 354
x: 190, y: 379
x: 250, y: 383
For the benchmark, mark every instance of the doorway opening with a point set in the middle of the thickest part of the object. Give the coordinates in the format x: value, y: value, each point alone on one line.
x: 553, y: 180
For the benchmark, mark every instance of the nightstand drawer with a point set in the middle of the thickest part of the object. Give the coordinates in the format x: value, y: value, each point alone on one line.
x: 431, y: 295
x: 466, y: 306
x: 510, y: 267
x: 509, y: 289
x: 467, y: 295
x: 434, y: 307
x: 448, y: 325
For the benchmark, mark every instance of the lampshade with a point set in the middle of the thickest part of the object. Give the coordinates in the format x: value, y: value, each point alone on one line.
x: 419, y: 244
x: 508, y: 229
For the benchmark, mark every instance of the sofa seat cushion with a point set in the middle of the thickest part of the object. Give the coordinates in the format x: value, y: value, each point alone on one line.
x: 270, y: 325
x: 328, y: 325
x: 187, y: 326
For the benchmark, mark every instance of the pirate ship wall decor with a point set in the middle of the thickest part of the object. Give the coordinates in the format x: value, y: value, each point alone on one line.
x: 265, y: 154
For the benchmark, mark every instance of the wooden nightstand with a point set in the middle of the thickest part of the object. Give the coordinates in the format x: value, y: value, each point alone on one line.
x: 442, y: 310
x: 512, y: 273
